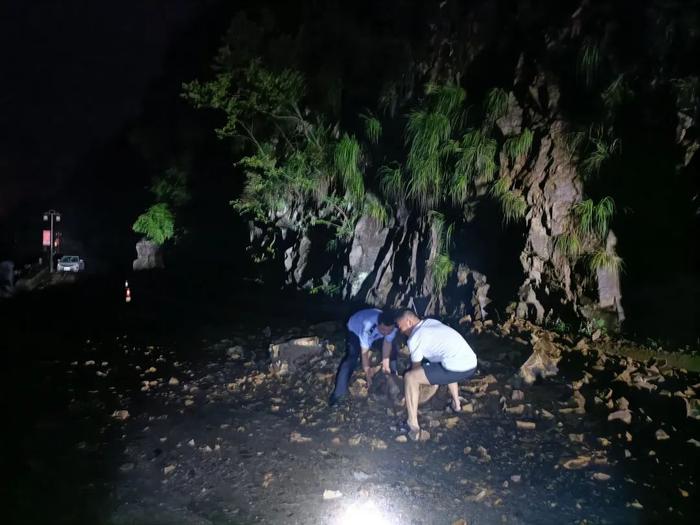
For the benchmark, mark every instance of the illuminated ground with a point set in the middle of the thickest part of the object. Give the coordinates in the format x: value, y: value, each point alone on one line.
x: 211, y: 447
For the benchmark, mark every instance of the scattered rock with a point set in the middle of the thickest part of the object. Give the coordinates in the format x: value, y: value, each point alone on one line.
x: 355, y: 440
x: 173, y: 381
x: 377, y: 444
x: 332, y: 494
x: 121, y: 415
x: 577, y: 463
x: 661, y: 435
x: 517, y: 395
x: 621, y: 415
x: 401, y: 439
x: 126, y: 467
x: 600, y: 476
x: 515, y: 478
x: 169, y: 469
x: 525, y: 425
x: 296, y: 437
x: 517, y: 410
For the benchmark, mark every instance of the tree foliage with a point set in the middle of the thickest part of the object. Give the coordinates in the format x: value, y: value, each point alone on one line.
x: 156, y: 223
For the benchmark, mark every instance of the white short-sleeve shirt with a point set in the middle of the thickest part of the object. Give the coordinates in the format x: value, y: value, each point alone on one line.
x: 364, y: 325
x: 439, y: 343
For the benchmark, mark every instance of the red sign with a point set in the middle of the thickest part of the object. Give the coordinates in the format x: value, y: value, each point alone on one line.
x: 46, y: 238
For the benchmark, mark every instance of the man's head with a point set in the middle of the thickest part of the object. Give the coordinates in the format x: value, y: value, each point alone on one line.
x: 386, y: 323
x: 406, y: 320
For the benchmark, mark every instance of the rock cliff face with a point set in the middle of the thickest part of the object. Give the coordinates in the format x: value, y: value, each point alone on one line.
x: 566, y: 72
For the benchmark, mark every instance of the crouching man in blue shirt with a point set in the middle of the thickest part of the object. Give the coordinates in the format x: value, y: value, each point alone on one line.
x: 439, y: 356
x: 364, y: 328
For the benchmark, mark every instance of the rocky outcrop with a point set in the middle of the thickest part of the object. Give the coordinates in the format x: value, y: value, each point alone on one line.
x: 7, y: 278
x: 148, y: 256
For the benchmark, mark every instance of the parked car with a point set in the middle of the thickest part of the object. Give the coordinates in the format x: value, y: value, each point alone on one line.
x: 70, y: 263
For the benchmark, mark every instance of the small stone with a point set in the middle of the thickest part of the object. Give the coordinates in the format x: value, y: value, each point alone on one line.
x: 296, y: 437
x: 378, y: 444
x: 468, y: 408
x: 603, y: 441
x: 621, y: 415
x: 577, y: 463
x: 191, y: 442
x: 517, y: 410
x: 525, y: 425
x: 600, y: 476
x: 515, y: 478
x: 120, y: 415
x: 635, y: 505
x: 517, y: 395
x: 169, y: 469
x: 622, y: 403
x: 546, y: 414
x: 684, y: 493
x: 467, y: 450
x: 694, y: 442
x: 355, y: 440
x: 451, y: 422
x: 126, y: 467
x: 173, y: 381
x: 628, y: 454
x: 332, y: 494
x: 661, y: 435
x: 189, y: 402
x: 401, y: 439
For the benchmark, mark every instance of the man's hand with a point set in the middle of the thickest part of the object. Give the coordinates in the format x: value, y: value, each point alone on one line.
x: 386, y: 368
x: 369, y: 373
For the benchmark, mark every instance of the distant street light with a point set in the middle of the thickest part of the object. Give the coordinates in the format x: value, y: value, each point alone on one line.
x: 52, y: 215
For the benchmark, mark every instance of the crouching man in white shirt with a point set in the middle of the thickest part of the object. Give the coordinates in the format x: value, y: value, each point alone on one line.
x: 439, y: 356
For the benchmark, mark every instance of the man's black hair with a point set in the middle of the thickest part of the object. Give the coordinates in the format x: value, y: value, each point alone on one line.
x: 387, y: 318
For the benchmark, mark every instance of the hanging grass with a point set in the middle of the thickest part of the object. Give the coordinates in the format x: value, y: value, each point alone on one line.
x: 513, y: 206
x: 603, y: 212
x: 477, y: 154
x: 602, y: 260
x: 518, y: 146
x: 373, y: 127
x: 442, y: 269
x: 569, y: 244
x: 589, y: 61
x: 347, y: 164
x: 574, y: 141
x: 501, y: 186
x: 442, y: 265
x: 603, y: 149
x: 373, y: 208
x: 495, y: 104
x: 584, y: 212
x: 391, y: 181
x: 447, y: 100
x: 426, y: 133
x: 617, y: 93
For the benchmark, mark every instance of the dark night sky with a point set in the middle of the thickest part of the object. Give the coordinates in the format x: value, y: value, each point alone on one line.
x: 74, y: 72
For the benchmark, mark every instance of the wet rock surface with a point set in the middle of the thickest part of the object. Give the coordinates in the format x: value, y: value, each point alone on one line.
x: 195, y: 432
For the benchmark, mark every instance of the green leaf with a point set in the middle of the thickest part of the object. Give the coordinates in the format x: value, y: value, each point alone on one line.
x: 157, y: 223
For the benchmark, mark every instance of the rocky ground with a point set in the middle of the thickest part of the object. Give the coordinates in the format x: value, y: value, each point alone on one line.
x: 138, y: 415
x: 214, y: 431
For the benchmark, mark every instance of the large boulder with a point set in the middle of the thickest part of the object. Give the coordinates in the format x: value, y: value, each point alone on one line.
x: 148, y: 256
x: 289, y: 355
x: 544, y: 359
